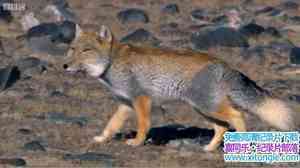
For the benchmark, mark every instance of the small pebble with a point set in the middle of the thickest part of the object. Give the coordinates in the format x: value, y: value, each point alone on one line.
x: 34, y: 146
x: 171, y: 9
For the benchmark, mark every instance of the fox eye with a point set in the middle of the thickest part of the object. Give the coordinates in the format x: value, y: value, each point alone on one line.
x: 86, y: 49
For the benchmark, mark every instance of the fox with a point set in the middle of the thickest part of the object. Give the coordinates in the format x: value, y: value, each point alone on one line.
x: 140, y: 77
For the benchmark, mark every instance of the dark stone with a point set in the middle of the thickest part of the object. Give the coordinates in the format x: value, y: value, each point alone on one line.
x: 57, y: 117
x: 24, y: 131
x: 267, y: 9
x: 5, y: 15
x: 29, y: 62
x: 58, y: 32
x: 43, y: 29
x: 132, y: 15
x: 51, y: 38
x: 295, y: 55
x: 31, y: 66
x: 295, y: 98
x: 290, y: 5
x: 295, y: 19
x: 226, y: 37
x: 272, y: 31
x: 8, y: 76
x: 140, y: 36
x: 67, y: 32
x: 171, y: 9
x: 252, y: 29
x: 56, y: 93
x: 220, y: 19
x: 200, y: 14
x: 34, y: 146
x: 98, y: 158
x: 18, y: 162
x: 275, y: 12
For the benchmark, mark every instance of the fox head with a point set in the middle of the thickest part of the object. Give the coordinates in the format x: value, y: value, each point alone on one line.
x: 90, y: 52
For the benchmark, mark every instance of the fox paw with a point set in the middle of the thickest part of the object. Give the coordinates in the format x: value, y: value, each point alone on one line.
x: 100, y: 139
x: 134, y: 142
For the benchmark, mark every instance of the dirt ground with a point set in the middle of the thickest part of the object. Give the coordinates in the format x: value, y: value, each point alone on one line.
x: 50, y: 118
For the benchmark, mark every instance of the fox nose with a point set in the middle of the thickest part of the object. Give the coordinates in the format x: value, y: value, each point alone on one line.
x: 65, y: 66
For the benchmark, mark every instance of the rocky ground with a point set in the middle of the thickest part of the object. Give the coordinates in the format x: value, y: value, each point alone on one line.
x: 48, y: 118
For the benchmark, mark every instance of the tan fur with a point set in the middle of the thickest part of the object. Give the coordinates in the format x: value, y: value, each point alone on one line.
x: 230, y: 115
x: 115, y: 123
x: 217, y: 138
x: 276, y: 113
x: 163, y: 60
x: 142, y: 106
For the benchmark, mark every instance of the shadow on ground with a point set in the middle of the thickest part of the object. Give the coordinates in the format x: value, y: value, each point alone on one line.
x: 164, y: 134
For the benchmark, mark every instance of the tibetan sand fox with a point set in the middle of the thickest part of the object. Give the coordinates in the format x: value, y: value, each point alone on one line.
x: 141, y: 77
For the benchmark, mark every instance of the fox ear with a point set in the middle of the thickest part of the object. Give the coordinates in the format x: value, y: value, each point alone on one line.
x: 105, y: 34
x: 78, y: 31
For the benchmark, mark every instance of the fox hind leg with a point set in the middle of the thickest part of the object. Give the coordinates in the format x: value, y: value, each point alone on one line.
x: 228, y: 114
x: 115, y: 123
x: 142, y: 107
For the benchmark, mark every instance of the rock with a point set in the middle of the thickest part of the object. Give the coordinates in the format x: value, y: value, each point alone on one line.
x: 61, y: 11
x: 67, y: 32
x: 295, y: 98
x: 277, y: 12
x: 5, y: 15
x: 265, y: 10
x: 225, y: 37
x: 200, y: 15
x: 56, y: 93
x: 34, y: 146
x: 24, y: 131
x: 58, y: 32
x: 289, y: 5
x: 141, y: 36
x: 295, y: 56
x: 252, y: 29
x: 272, y: 31
x: 31, y: 66
x: 8, y: 76
x: 171, y: 9
x: 18, y: 162
x: 220, y: 19
x: 104, y: 160
x: 50, y: 38
x: 294, y: 19
x: 132, y: 15
x: 61, y: 118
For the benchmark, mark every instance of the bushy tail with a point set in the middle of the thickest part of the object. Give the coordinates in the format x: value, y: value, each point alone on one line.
x: 252, y: 98
x: 276, y: 112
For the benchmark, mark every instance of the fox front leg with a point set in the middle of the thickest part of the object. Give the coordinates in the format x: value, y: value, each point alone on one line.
x: 115, y: 123
x: 142, y: 107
